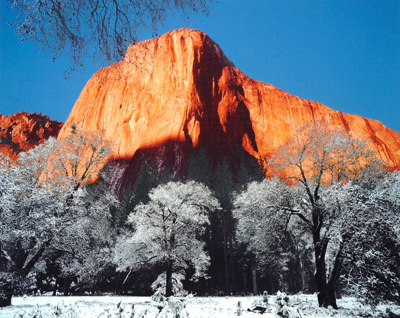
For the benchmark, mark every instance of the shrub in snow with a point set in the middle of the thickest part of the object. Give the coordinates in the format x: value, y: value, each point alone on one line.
x: 159, y: 285
x: 67, y: 311
x: 265, y: 298
x: 282, y: 302
x: 258, y: 305
x: 158, y: 297
x: 134, y: 312
x: 284, y: 310
x: 257, y: 302
x: 36, y: 312
x: 239, y: 308
x: 117, y: 311
x: 174, y: 308
x: 120, y: 310
x: 170, y: 307
x: 158, y: 300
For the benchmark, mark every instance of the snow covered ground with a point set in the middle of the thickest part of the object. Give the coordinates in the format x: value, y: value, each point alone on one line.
x: 195, y: 307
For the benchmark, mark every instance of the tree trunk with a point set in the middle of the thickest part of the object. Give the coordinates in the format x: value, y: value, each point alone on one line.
x: 326, y: 295
x: 254, y: 276
x: 334, y: 277
x: 227, y: 289
x: 5, y: 300
x: 302, y: 275
x: 168, y: 285
x: 300, y: 261
x: 7, y: 288
x: 232, y: 267
x: 244, y: 280
x: 31, y: 263
x: 55, y: 288
x: 325, y: 290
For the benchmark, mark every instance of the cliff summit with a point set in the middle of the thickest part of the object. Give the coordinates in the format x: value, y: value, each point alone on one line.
x: 177, y: 93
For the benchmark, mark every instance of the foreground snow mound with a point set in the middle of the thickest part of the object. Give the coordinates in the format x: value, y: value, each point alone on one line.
x: 194, y: 307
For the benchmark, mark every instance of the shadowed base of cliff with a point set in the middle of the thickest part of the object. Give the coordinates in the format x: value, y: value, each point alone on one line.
x: 173, y: 161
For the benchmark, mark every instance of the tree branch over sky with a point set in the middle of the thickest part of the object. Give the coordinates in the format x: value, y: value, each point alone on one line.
x: 102, y: 29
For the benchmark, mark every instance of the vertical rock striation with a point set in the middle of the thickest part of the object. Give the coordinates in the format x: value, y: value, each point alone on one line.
x: 179, y: 92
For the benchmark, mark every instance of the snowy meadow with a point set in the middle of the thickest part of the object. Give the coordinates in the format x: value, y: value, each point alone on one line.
x: 190, y: 307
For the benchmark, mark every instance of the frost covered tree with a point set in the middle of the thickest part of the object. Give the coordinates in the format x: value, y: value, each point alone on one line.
x: 319, y: 156
x: 58, y: 183
x: 167, y: 231
x: 23, y: 195
x: 316, y: 158
x: 84, y: 246
x: 259, y: 227
x: 103, y: 29
x: 274, y: 238
x: 48, y: 207
x: 370, y: 237
x: 78, y: 158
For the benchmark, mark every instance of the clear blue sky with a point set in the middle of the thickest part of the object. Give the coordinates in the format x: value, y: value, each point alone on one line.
x: 344, y: 54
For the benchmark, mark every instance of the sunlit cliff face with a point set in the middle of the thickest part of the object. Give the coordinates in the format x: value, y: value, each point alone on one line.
x: 179, y: 92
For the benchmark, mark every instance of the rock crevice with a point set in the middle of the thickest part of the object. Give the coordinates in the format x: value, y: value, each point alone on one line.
x: 180, y: 91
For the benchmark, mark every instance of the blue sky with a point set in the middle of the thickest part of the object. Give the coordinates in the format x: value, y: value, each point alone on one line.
x: 344, y: 54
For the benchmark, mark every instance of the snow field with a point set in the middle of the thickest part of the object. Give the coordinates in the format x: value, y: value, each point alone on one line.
x: 196, y: 307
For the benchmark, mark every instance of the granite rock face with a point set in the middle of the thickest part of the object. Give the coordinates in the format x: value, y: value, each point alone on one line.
x: 22, y: 131
x: 178, y: 93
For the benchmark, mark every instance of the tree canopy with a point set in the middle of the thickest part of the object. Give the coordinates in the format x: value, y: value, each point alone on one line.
x: 51, y: 216
x: 332, y: 225
x: 167, y: 231
x: 317, y: 160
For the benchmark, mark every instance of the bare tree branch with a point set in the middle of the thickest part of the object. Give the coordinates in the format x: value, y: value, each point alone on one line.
x: 101, y: 29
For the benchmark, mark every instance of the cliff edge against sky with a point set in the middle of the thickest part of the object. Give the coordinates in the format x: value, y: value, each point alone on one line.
x: 179, y: 92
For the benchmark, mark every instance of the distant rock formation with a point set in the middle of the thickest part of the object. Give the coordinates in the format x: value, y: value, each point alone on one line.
x: 22, y: 131
x: 175, y: 94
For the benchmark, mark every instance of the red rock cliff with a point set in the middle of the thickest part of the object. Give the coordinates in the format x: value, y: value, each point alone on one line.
x: 179, y: 91
x: 23, y: 131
